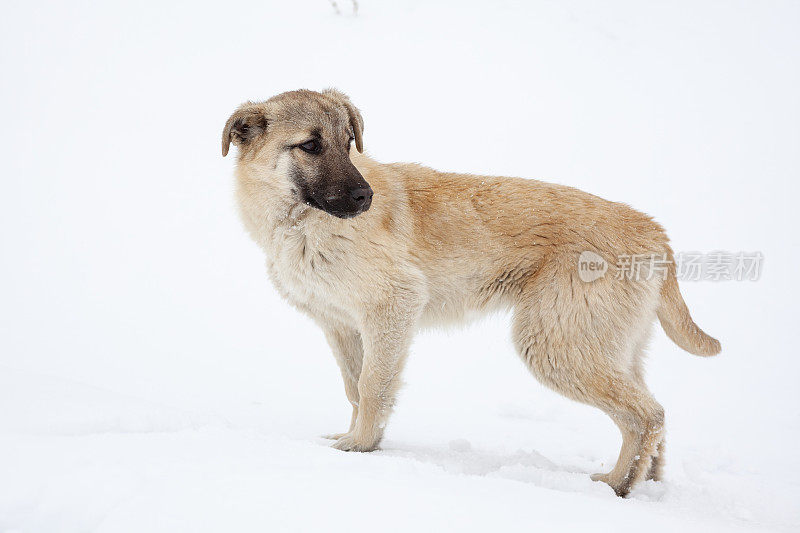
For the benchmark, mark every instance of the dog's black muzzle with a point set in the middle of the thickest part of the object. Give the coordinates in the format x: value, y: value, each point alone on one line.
x: 345, y: 199
x: 347, y: 204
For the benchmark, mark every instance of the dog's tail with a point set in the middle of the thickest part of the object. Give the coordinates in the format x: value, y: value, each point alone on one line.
x: 677, y: 322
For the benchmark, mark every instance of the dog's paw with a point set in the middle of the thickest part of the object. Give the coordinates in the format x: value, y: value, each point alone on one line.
x: 621, y: 489
x: 334, y: 436
x: 349, y: 443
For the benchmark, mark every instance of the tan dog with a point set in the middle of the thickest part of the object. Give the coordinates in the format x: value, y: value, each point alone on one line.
x: 432, y: 247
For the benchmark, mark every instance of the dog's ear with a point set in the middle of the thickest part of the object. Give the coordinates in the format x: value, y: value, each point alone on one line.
x: 356, y: 121
x: 246, y: 123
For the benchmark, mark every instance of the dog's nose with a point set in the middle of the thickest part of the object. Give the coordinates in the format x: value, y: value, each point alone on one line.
x: 361, y: 196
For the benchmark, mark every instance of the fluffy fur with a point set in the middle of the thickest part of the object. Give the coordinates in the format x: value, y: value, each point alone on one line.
x: 435, y: 247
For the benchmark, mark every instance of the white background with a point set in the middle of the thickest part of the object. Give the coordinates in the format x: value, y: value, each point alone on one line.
x: 152, y: 380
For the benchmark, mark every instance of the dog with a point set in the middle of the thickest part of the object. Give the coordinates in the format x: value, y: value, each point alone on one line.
x: 373, y: 252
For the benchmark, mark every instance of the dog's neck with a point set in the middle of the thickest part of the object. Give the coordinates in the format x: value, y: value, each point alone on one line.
x: 271, y: 213
x: 271, y: 217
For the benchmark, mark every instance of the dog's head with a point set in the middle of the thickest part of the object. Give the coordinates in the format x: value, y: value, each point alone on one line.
x: 300, y: 142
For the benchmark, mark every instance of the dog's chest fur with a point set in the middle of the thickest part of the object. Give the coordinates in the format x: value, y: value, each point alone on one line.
x: 305, y: 268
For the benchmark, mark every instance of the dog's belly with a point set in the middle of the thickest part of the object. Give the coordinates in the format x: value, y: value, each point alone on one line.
x: 457, y: 304
x: 448, y: 314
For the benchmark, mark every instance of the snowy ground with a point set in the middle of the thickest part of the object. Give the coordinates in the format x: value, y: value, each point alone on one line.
x: 151, y: 379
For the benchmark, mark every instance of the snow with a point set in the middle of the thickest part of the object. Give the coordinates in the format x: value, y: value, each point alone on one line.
x: 152, y: 380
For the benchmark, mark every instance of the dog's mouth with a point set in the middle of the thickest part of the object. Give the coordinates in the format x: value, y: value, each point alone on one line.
x: 338, y: 213
x: 346, y: 206
x: 313, y: 203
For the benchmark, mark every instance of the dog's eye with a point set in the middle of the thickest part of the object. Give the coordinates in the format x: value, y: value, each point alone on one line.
x: 312, y: 147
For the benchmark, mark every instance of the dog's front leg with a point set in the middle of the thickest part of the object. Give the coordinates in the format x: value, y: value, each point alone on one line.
x: 346, y: 346
x: 385, y: 335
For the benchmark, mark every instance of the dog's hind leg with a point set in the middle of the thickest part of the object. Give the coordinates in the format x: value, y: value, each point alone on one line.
x: 640, y: 419
x: 655, y: 472
x: 638, y: 416
x: 578, y: 340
